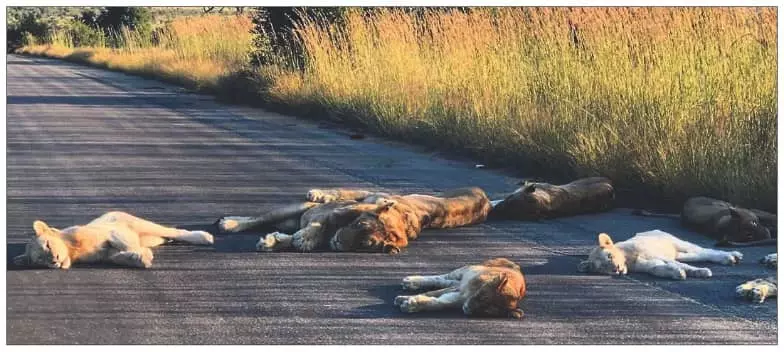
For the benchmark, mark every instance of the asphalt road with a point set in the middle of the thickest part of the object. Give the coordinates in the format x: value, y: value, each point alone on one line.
x: 82, y: 141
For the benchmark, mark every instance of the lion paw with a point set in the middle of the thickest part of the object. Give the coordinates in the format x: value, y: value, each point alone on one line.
x: 755, y: 290
x: 679, y: 274
x: 732, y: 258
x: 232, y: 223
x: 411, y: 283
x: 400, y: 299
x: 269, y: 242
x: 143, y: 258
x: 320, y: 196
x: 408, y: 304
x: 770, y: 260
x: 201, y: 237
x: 702, y: 273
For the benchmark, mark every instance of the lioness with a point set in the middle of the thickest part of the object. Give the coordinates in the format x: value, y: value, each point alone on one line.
x: 537, y: 200
x: 115, y: 237
x: 360, y: 220
x: 729, y: 225
x: 655, y: 252
x: 493, y: 289
x: 760, y: 289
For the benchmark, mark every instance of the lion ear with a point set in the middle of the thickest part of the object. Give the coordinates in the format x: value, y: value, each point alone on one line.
x: 385, y: 205
x: 605, y: 241
x: 529, y: 187
x: 502, y: 283
x: 41, y: 228
x: 584, y: 266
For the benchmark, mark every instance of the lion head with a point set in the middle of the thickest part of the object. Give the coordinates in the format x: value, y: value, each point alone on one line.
x: 374, y: 231
x: 46, y: 249
x: 605, y: 259
x: 498, y: 296
x: 744, y: 226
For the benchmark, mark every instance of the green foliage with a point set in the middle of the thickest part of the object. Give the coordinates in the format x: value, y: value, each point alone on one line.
x: 24, y: 27
x: 274, y: 36
x: 83, y: 35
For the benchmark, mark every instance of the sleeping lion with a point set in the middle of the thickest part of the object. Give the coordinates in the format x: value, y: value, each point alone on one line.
x: 760, y: 289
x: 654, y: 252
x: 539, y: 200
x: 493, y: 288
x: 115, y: 237
x: 361, y: 220
x: 728, y: 224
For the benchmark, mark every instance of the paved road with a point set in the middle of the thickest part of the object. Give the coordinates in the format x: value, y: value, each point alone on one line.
x: 83, y: 141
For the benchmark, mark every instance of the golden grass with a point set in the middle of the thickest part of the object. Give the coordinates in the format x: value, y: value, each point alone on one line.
x: 193, y: 51
x: 678, y: 101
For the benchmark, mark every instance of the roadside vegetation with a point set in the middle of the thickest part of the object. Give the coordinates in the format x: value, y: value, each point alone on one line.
x: 673, y: 102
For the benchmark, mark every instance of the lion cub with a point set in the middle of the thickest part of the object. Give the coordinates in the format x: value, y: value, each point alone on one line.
x: 655, y: 252
x: 493, y: 289
x: 114, y: 237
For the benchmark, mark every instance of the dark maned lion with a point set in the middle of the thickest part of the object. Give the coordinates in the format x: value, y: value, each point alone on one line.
x: 491, y: 289
x: 359, y: 220
x: 729, y: 225
x: 536, y: 200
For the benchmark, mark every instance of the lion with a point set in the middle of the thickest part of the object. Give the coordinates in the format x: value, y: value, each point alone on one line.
x: 760, y: 289
x: 654, y: 252
x: 728, y: 224
x: 114, y: 237
x: 538, y: 200
x: 493, y: 288
x: 361, y: 220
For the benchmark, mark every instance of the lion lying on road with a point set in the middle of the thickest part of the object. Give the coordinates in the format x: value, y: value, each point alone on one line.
x: 114, y: 237
x: 536, y: 200
x: 760, y: 289
x: 655, y: 252
x: 360, y: 220
x: 729, y: 225
x: 493, y: 289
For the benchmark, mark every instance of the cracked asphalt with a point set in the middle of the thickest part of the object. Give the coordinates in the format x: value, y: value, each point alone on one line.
x: 83, y: 141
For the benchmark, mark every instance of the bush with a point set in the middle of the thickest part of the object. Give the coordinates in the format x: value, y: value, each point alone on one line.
x: 83, y: 35
x: 115, y: 20
x: 273, y: 31
x: 23, y: 28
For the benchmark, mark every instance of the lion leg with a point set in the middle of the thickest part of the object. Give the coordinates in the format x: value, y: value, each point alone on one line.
x: 419, y: 282
x: 137, y: 258
x: 309, y: 238
x: 274, y: 241
x: 281, y: 215
x: 151, y: 241
x: 148, y: 228
x: 693, y: 271
x: 660, y: 268
x: 710, y: 255
x: 424, y: 302
x: 758, y: 290
x: 338, y: 194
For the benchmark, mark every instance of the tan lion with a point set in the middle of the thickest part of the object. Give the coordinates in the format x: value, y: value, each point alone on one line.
x: 760, y: 289
x: 538, y: 200
x: 728, y: 224
x: 493, y: 288
x: 115, y: 237
x: 361, y: 220
x: 654, y: 252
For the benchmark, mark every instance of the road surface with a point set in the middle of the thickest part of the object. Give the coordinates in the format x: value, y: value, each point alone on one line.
x: 82, y: 141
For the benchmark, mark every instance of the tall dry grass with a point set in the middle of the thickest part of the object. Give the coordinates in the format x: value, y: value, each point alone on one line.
x: 194, y: 51
x: 679, y: 100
